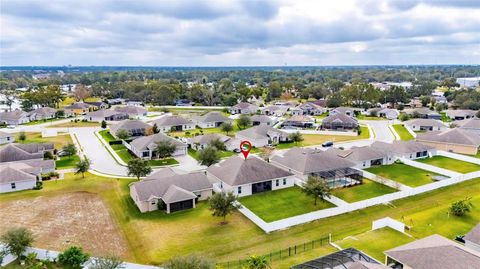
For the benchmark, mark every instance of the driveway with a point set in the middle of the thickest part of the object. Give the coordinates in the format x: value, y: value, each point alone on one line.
x: 381, y: 130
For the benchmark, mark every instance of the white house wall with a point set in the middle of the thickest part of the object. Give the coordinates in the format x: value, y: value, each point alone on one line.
x: 19, y: 186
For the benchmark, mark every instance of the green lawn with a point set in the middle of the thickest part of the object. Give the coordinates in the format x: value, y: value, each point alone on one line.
x: 35, y: 122
x: 201, y: 131
x: 366, y: 117
x: 375, y: 242
x: 451, y: 164
x: 280, y: 204
x: 405, y: 174
x: 124, y: 153
x: 107, y: 136
x: 223, y: 153
x: 162, y: 162
x: 403, y: 132
x: 59, y: 141
x: 67, y: 162
x: 368, y: 189
x: 75, y: 124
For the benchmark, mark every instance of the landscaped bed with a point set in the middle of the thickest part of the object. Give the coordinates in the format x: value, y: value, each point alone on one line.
x: 368, y: 189
x: 403, y: 132
x: 451, y: 164
x: 281, y: 204
x: 405, y: 174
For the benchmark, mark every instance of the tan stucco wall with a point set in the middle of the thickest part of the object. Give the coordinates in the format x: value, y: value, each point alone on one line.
x: 463, y: 149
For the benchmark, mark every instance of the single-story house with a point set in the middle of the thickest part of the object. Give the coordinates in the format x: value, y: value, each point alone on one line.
x: 184, y: 102
x: 6, y: 138
x: 169, y: 191
x: 67, y: 113
x: 115, y: 101
x: 144, y: 147
x: 364, y: 157
x: 300, y: 121
x: 308, y: 108
x: 105, y: 115
x: 472, y: 238
x: 472, y: 124
x: 134, y: 128
x: 274, y: 110
x: 339, y: 122
x: 454, y: 140
x: 135, y: 103
x: 132, y: 111
x: 98, y: 105
x: 422, y: 112
x: 19, y: 152
x: 43, y: 113
x: 248, y: 176
x: 173, y: 123
x: 262, y: 135
x: 460, y: 114
x: 415, y: 102
x: 210, y: 120
x: 202, y: 141
x: 305, y: 162
x: 80, y: 108
x: 23, y: 175
x: 349, y: 111
x: 425, y: 125
x: 15, y: 117
x: 243, y: 108
x: 388, y: 113
x: 405, y: 149
x: 433, y: 252
x: 263, y: 119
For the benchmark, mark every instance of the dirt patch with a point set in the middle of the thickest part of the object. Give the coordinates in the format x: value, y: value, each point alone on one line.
x: 60, y: 221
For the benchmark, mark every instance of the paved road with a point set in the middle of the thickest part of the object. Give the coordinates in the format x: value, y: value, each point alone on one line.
x: 381, y: 130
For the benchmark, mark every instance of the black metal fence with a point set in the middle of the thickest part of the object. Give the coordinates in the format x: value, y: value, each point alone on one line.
x: 279, y: 254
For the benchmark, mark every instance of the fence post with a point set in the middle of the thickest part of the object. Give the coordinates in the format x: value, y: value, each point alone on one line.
x: 289, y: 251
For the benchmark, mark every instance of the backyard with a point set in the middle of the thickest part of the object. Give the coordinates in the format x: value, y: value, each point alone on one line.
x: 67, y: 162
x: 223, y: 153
x: 59, y: 141
x: 403, y: 132
x: 451, y: 164
x: 368, y: 189
x: 280, y: 204
x: 405, y: 174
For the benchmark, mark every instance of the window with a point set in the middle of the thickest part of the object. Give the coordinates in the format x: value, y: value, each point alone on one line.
x: 153, y: 202
x: 277, y: 182
x: 239, y: 190
x: 364, y: 164
x: 284, y: 181
x: 13, y: 185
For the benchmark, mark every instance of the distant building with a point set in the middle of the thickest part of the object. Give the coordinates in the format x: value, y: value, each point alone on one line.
x: 134, y: 112
x: 455, y: 140
x: 15, y: 117
x: 244, y: 108
x: 134, y: 128
x: 184, y: 102
x: 43, y: 113
x: 210, y: 120
x: 339, y: 122
x: 6, y: 138
x: 460, y: 114
x: 425, y: 125
x: 469, y: 82
x: 173, y: 123
x: 262, y: 135
x: 106, y: 115
x: 23, y: 175
x: 145, y: 147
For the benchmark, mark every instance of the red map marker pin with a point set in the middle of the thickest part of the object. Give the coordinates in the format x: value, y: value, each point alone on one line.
x: 245, y: 148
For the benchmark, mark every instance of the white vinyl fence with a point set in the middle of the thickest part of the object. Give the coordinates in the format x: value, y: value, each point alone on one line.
x: 458, y: 157
x: 430, y: 168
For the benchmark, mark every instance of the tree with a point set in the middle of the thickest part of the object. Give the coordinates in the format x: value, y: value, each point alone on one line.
x: 218, y: 144
x: 73, y: 257
x: 266, y: 153
x: 69, y: 149
x: 165, y: 149
x: 226, y: 127
x: 461, y: 207
x: 257, y: 262
x: 138, y: 168
x: 103, y: 124
x: 208, y: 156
x: 107, y: 262
x: 22, y: 136
x: 316, y: 187
x: 81, y: 92
x: 155, y: 129
x: 243, y: 121
x: 189, y: 262
x: 223, y: 204
x: 296, y: 137
x: 17, y: 240
x: 122, y: 134
x: 82, y: 167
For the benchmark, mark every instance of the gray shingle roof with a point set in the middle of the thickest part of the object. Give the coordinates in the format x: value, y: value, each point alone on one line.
x: 23, y: 170
x: 473, y: 123
x: 460, y: 113
x: 136, y: 110
x: 128, y: 125
x: 237, y: 171
x: 261, y: 118
x: 212, y: 117
x: 359, y: 154
x: 435, y: 252
x: 171, y: 121
x: 474, y: 235
x: 244, y: 105
x: 425, y: 122
x: 207, y: 138
x: 9, y: 175
x: 340, y: 117
x: 452, y: 136
x: 78, y: 105
x: 13, y: 115
x: 177, y: 194
x: 149, y: 142
x: 17, y: 152
x: 104, y: 113
x: 400, y: 147
x: 260, y: 131
x: 300, y: 118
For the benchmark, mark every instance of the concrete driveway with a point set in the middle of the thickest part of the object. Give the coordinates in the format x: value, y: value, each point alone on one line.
x: 381, y: 130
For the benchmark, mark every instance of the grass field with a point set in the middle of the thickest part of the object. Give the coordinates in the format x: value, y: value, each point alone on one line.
x: 107, y: 136
x: 154, y: 237
x: 402, y: 132
x: 365, y: 117
x: 75, y: 124
x: 223, y: 153
x: 35, y: 122
x: 59, y: 141
x: 385, y: 239
x: 200, y: 131
x: 280, y: 204
x: 405, y: 174
x: 368, y: 189
x: 67, y: 162
x: 451, y: 164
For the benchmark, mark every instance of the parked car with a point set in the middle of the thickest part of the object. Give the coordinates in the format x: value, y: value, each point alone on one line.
x: 327, y: 144
x: 11, y: 126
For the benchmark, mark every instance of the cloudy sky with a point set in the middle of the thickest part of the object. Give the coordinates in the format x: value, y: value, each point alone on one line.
x: 234, y: 32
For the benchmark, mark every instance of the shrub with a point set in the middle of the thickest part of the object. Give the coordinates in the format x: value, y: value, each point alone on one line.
x: 461, y: 207
x: 73, y: 257
x: 48, y: 155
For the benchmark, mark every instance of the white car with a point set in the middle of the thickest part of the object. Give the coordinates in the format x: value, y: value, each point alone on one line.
x: 11, y: 126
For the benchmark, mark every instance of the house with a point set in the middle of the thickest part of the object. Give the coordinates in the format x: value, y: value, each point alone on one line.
x: 15, y: 117
x: 243, y: 108
x: 202, y: 141
x: 388, y: 113
x: 184, y: 102
x: 299, y: 121
x: 210, y: 120
x: 173, y: 123
x: 249, y: 176
x: 23, y: 175
x: 115, y: 101
x: 134, y: 112
x: 349, y: 111
x: 308, y: 108
x: 135, y: 103
x: 98, y: 105
x: 169, y: 191
x: 339, y: 122
x: 472, y: 238
x: 425, y: 125
x: 472, y: 124
x: 460, y: 114
x: 132, y: 127
x: 415, y: 102
x: 145, y: 147
x: 262, y: 135
x: 275, y: 110
x: 263, y: 119
x: 80, y: 108
x: 433, y: 252
x: 405, y: 149
x: 454, y: 140
x: 19, y: 152
x: 305, y: 162
x: 423, y: 112
x: 6, y: 138
x: 364, y: 157
x: 67, y: 113
x: 43, y: 113
x: 105, y: 115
